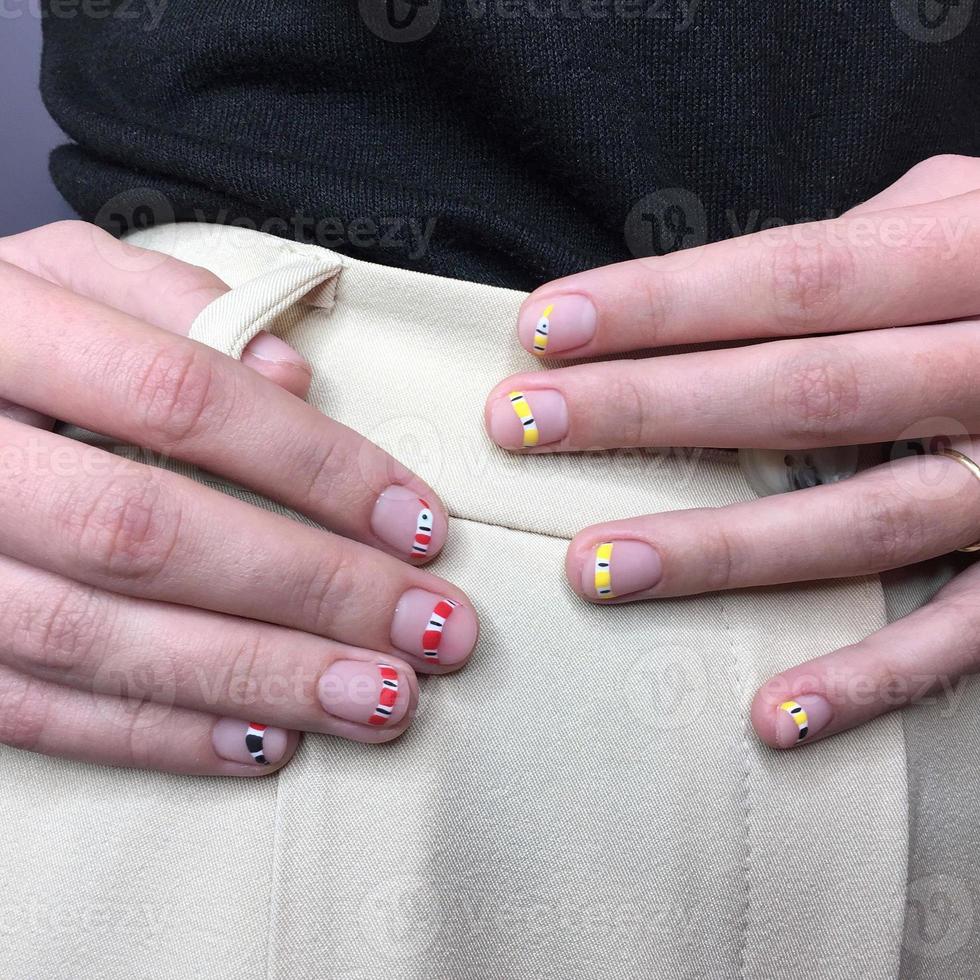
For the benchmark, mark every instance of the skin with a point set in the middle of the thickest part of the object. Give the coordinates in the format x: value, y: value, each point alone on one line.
x: 139, y: 608
x: 825, y: 373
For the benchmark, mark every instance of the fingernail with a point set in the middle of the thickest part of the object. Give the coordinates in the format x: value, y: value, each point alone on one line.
x: 406, y: 522
x: 436, y: 629
x: 801, y: 718
x: 365, y: 692
x: 249, y: 742
x: 266, y: 347
x: 522, y: 420
x: 557, y: 324
x: 621, y: 568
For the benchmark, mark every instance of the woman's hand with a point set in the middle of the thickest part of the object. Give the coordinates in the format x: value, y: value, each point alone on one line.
x: 909, y: 256
x: 149, y: 620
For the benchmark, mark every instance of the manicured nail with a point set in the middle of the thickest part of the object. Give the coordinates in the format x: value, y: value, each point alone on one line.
x: 522, y: 420
x: 249, y: 742
x: 435, y: 629
x: 269, y: 348
x: 557, y: 324
x: 406, y: 522
x: 620, y: 568
x: 365, y: 692
x: 801, y: 718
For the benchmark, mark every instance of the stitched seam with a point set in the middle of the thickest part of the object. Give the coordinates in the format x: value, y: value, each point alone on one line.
x: 274, y: 878
x: 899, y: 954
x: 508, y: 527
x: 741, y: 689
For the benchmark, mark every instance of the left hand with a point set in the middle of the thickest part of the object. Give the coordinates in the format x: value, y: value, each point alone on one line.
x: 895, y: 286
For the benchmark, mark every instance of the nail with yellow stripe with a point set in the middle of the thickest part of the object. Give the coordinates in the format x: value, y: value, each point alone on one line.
x: 541, y: 330
x: 797, y: 712
x: 523, y: 411
x: 603, y: 571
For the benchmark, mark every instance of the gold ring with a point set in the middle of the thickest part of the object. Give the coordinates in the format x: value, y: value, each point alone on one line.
x: 973, y: 468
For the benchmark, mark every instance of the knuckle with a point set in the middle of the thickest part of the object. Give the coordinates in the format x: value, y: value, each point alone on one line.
x: 242, y: 682
x: 633, y: 416
x: 330, y: 467
x: 808, y: 282
x: 718, y: 556
x: 331, y: 585
x: 946, y: 165
x: 176, y: 394
x: 815, y: 394
x: 61, y: 633
x: 656, y: 313
x: 69, y: 228
x: 23, y: 715
x: 127, y: 530
x: 140, y: 723
x: 187, y: 281
x: 55, y: 234
x: 887, y: 528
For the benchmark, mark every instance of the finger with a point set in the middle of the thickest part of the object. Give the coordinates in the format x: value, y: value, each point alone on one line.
x: 115, y: 375
x: 943, y: 176
x: 920, y: 656
x: 887, y: 517
x: 857, y: 272
x: 71, y: 634
x: 150, y: 286
x: 39, y: 716
x: 825, y: 391
x: 146, y: 532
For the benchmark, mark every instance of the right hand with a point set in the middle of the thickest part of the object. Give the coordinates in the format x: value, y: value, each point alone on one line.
x: 148, y: 620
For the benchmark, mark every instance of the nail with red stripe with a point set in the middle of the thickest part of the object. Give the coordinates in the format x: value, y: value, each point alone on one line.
x: 432, y: 634
x: 249, y: 742
x: 408, y: 523
x: 439, y: 631
x: 388, y: 696
x: 367, y: 692
x: 423, y: 531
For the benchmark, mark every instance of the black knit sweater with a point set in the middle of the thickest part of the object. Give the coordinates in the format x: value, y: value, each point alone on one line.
x: 505, y: 141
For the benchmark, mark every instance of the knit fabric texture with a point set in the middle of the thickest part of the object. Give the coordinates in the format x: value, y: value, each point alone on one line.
x: 503, y: 141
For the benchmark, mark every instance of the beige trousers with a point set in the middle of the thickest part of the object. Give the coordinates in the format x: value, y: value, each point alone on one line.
x: 586, y: 800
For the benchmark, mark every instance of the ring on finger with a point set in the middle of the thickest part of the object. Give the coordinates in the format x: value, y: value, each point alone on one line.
x: 972, y: 466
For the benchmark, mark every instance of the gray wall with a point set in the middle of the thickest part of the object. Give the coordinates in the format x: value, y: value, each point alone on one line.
x: 27, y: 133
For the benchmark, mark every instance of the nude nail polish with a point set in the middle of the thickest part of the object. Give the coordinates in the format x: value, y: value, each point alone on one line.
x: 556, y: 324
x: 267, y: 347
x: 621, y: 568
x: 249, y: 742
x: 800, y: 718
x: 408, y: 523
x: 523, y: 420
x: 437, y: 630
x: 367, y: 692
